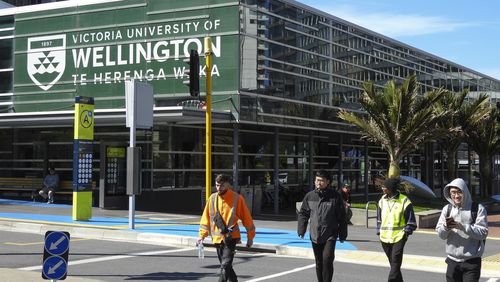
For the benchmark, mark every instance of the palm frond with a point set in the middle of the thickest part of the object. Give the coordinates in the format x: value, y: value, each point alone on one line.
x: 398, y: 118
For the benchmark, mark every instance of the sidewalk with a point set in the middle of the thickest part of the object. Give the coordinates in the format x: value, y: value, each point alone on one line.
x: 494, y: 225
x: 273, y: 236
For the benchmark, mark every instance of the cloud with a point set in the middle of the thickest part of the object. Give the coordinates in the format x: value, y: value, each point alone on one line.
x: 395, y: 24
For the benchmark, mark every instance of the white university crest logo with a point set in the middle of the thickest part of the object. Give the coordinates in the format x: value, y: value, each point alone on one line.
x: 46, y: 59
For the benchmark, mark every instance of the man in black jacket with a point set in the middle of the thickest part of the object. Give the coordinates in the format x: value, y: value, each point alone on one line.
x: 325, y: 209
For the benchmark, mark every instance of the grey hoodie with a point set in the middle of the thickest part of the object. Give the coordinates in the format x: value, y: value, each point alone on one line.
x: 468, y: 242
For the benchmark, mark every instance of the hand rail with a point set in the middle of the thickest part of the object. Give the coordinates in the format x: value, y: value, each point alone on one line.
x: 366, y: 210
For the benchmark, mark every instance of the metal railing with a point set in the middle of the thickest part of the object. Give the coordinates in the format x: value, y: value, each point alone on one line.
x: 367, y: 211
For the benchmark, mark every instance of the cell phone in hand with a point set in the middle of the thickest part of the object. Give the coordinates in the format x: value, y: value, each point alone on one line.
x: 450, y: 222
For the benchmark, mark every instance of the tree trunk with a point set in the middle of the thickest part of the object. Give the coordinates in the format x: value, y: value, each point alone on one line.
x: 394, y: 171
x: 452, y: 165
x: 485, y: 171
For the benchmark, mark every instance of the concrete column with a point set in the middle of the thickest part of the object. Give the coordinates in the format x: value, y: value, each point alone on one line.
x: 340, y: 179
x: 311, y: 156
x: 236, y: 164
x: 276, y: 170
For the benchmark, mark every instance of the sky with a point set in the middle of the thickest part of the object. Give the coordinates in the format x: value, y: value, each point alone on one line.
x: 462, y: 31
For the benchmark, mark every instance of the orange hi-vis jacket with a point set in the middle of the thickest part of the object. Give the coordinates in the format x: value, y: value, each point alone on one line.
x: 232, y: 207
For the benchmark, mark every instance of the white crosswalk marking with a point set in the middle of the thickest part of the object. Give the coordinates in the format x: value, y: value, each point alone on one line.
x: 282, y: 273
x: 493, y: 280
x: 106, y: 258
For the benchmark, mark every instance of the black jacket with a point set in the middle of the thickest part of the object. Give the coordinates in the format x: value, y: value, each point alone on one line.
x: 327, y: 214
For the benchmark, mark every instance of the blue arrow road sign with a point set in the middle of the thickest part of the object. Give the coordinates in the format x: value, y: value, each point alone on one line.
x: 55, y: 268
x: 55, y: 255
x: 57, y: 243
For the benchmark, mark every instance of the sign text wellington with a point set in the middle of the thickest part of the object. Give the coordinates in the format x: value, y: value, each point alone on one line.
x: 133, y: 51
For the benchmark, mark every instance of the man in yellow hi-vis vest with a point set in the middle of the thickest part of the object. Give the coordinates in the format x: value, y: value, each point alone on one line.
x: 220, y: 220
x: 395, y: 222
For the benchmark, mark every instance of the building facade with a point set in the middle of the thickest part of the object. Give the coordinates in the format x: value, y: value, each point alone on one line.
x: 281, y: 73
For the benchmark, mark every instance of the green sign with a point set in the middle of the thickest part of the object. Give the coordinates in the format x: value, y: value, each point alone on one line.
x: 91, y: 50
x: 115, y: 152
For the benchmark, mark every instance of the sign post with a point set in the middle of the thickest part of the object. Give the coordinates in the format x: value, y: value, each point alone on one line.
x: 55, y: 255
x: 83, y: 158
x: 139, y: 115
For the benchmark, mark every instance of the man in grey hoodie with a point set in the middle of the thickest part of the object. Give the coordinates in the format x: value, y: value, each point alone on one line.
x: 464, y: 227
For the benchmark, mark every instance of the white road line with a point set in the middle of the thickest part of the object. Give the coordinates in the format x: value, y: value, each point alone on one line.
x: 282, y: 273
x: 153, y: 216
x: 173, y: 218
x: 146, y: 215
x: 493, y: 280
x: 92, y: 260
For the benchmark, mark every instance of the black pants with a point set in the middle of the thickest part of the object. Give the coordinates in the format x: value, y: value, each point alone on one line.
x: 467, y: 271
x: 225, y: 253
x: 324, y: 254
x: 394, y: 252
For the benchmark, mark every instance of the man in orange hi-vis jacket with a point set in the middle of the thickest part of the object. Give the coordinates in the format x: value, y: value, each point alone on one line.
x: 220, y: 220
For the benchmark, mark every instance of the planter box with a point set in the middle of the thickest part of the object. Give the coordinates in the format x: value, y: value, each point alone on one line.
x: 427, y: 219
x: 358, y: 216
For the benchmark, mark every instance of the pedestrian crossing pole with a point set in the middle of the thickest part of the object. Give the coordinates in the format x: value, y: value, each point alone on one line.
x: 208, y: 118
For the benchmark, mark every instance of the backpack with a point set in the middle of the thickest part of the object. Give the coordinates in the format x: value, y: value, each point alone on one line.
x: 473, y: 213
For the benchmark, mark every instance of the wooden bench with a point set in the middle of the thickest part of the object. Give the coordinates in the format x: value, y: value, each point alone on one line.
x: 20, y: 183
x: 65, y: 190
x: 65, y: 187
x: 22, y: 187
x: 18, y: 186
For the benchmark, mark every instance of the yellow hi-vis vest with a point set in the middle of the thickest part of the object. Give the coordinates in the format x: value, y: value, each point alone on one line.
x: 393, y: 218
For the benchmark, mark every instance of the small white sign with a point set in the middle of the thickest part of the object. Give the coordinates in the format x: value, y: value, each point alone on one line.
x: 139, y: 99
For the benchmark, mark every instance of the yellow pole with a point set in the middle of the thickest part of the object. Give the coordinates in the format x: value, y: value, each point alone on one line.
x: 208, y: 118
x: 82, y: 153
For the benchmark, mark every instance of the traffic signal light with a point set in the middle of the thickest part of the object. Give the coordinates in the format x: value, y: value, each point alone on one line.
x: 193, y: 73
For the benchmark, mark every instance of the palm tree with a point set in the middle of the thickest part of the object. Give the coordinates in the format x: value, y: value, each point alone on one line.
x: 464, y: 115
x: 399, y: 119
x: 485, y: 141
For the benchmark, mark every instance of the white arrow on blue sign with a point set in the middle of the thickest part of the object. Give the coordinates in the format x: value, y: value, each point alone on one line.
x: 55, y: 255
x: 55, y: 267
x: 57, y: 243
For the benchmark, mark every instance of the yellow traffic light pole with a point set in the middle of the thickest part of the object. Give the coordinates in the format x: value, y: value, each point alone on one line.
x: 208, y: 118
